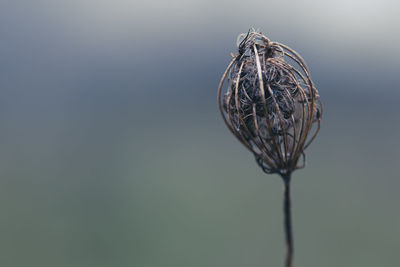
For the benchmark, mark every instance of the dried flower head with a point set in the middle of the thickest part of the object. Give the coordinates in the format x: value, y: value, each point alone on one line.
x: 271, y: 104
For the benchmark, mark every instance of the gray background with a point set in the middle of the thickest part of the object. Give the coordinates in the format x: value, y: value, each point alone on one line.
x: 113, y: 153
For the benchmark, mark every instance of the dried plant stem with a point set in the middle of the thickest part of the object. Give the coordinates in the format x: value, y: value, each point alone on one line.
x: 273, y: 108
x: 287, y: 221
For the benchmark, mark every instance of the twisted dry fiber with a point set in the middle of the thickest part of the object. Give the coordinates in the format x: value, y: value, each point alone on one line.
x: 271, y: 105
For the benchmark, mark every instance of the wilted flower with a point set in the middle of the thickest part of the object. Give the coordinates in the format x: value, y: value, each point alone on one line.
x: 271, y: 105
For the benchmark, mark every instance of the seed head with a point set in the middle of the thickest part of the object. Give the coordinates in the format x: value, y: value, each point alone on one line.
x: 271, y: 104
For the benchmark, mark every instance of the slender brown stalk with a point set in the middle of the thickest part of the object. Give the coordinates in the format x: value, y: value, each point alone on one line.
x: 287, y: 221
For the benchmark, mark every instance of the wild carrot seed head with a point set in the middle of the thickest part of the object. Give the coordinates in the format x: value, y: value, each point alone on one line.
x: 271, y: 105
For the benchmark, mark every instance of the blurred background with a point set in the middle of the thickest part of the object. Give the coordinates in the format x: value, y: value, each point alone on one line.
x: 113, y: 152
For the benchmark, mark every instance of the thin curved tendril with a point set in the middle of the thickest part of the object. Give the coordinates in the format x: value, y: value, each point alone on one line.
x: 278, y: 149
x: 265, y: 150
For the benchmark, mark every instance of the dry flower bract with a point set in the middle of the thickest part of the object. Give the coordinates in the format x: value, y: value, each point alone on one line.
x: 271, y: 105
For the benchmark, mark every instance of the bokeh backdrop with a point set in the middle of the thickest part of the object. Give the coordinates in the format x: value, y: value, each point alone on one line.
x: 113, y: 153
